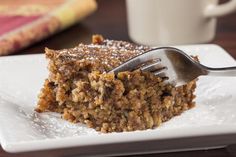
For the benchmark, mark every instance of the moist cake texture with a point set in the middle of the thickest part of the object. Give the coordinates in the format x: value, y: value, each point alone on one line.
x: 81, y: 88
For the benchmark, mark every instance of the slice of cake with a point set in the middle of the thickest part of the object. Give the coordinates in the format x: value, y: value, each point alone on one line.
x: 81, y: 88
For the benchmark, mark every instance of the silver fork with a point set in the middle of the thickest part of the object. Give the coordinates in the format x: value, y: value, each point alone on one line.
x: 173, y: 64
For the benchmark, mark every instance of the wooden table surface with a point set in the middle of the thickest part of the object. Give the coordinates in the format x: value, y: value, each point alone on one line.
x: 110, y: 21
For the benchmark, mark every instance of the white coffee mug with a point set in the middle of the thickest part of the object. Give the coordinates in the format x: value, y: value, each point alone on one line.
x: 174, y: 22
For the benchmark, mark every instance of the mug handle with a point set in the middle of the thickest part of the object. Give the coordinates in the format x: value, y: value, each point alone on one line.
x: 220, y: 10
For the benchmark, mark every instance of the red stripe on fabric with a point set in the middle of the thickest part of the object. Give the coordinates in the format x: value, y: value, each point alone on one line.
x: 9, y: 23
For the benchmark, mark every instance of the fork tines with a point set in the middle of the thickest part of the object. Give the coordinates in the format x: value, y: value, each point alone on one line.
x: 154, y: 66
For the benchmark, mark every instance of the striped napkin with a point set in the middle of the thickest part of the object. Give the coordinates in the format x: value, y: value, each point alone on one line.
x: 24, y: 22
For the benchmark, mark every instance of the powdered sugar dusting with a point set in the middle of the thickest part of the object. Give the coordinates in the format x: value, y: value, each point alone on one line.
x: 50, y: 125
x: 110, y: 53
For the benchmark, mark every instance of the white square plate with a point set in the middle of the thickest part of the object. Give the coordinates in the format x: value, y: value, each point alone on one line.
x: 212, y: 123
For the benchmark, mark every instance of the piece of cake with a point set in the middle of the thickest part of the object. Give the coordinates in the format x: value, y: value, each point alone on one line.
x: 81, y: 88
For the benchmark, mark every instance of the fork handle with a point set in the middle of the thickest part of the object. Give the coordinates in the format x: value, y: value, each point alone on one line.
x: 226, y: 71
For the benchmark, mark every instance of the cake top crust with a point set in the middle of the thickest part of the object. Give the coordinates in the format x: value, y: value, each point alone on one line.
x: 107, y: 53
